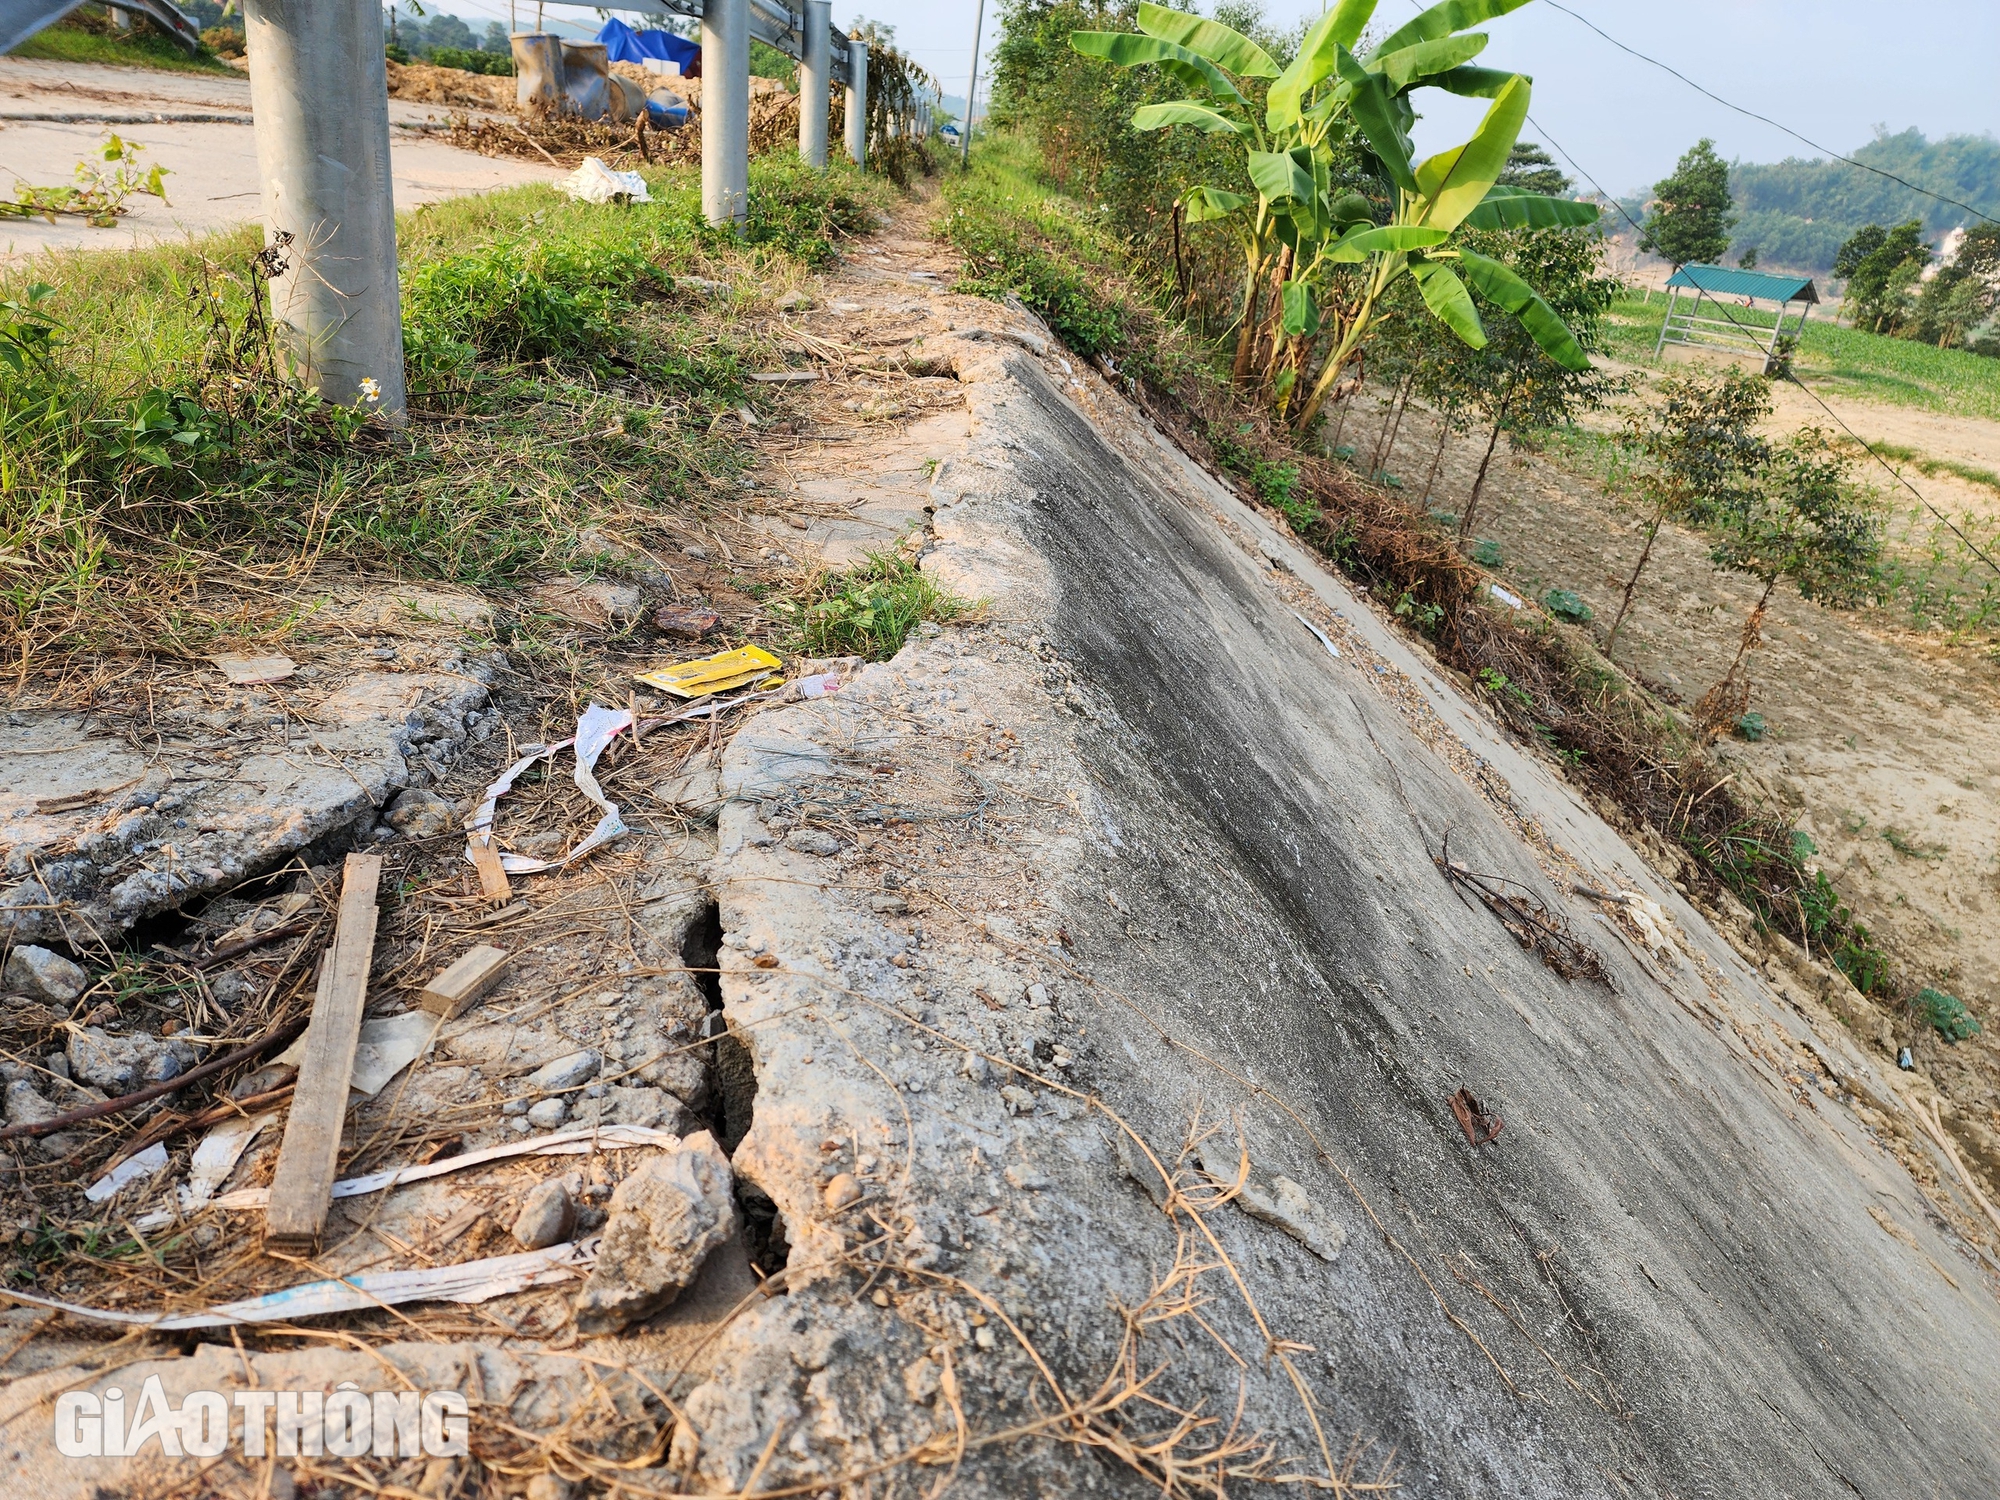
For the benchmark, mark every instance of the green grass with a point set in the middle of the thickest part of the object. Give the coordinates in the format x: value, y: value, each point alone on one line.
x: 73, y: 44
x: 867, y: 611
x: 1019, y: 238
x: 1843, y: 361
x: 1923, y: 463
x: 560, y: 378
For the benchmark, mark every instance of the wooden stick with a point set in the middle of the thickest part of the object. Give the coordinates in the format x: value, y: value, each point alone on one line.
x: 493, y: 882
x: 464, y: 982
x: 302, y: 1188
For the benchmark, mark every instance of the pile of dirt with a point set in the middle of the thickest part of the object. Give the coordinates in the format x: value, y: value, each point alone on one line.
x: 420, y: 83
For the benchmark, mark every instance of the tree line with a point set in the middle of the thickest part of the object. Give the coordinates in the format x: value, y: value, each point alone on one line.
x: 1896, y: 282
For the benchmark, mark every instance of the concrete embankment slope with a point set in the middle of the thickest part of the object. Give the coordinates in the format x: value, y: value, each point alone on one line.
x: 1148, y: 863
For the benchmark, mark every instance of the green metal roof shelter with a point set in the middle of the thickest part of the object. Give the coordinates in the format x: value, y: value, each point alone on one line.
x: 1709, y: 323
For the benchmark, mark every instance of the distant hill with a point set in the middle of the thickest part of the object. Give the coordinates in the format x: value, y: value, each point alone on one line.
x: 1797, y: 213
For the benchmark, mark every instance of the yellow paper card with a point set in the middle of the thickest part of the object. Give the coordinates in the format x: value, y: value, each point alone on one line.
x: 712, y: 674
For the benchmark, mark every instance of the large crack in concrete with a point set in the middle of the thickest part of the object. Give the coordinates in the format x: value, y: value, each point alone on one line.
x: 1662, y: 1277
x: 1080, y: 1004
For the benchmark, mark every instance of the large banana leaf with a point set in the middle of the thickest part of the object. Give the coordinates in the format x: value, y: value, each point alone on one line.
x: 1185, y: 112
x: 1407, y: 65
x: 1474, y: 83
x: 1380, y: 121
x: 1206, y: 203
x: 1443, y: 20
x: 1503, y: 288
x: 1300, y: 314
x: 1229, y: 50
x: 1317, y: 58
x: 1128, y: 49
x: 1280, y: 177
x: 1456, y: 181
x: 1350, y: 18
x: 1517, y: 208
x: 1371, y: 239
x: 1450, y: 303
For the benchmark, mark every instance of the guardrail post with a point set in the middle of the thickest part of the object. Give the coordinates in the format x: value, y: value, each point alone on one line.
x: 320, y: 96
x: 725, y: 110
x: 857, y: 102
x: 815, y: 81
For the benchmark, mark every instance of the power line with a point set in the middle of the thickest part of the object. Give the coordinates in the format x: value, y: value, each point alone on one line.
x: 1766, y: 119
x: 1790, y: 374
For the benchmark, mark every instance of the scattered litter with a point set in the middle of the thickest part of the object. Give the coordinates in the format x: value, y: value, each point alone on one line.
x: 680, y: 619
x: 457, y: 987
x: 1511, y: 600
x: 300, y: 1188
x: 1479, y: 1127
x: 382, y: 1050
x: 594, y: 730
x: 244, y: 671
x: 593, y: 182
x: 563, y: 1143
x: 1324, y: 639
x: 1905, y: 1061
x: 217, y: 1155
x: 819, y: 685
x: 714, y: 674
x: 784, y: 377
x: 1645, y: 916
x: 133, y: 1168
x: 474, y: 1281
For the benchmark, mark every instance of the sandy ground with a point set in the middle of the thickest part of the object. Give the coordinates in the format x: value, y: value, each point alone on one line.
x: 53, y: 115
x: 1883, y: 741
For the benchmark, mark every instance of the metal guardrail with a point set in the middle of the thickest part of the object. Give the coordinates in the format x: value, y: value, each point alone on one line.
x: 21, y: 19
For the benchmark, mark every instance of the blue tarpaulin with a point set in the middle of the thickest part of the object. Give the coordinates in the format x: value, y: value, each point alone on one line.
x: 623, y: 44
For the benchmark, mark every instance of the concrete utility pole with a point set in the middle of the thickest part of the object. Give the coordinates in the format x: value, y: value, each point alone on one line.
x: 815, y: 81
x: 725, y: 111
x: 320, y: 95
x: 972, y: 88
x: 857, y: 101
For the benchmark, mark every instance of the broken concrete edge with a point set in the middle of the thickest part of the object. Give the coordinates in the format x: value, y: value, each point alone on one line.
x: 378, y: 735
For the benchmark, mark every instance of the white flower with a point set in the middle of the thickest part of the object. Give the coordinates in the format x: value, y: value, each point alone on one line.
x: 371, y: 390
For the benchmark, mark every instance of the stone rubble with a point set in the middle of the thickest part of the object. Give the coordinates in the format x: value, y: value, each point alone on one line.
x: 665, y: 1219
x: 33, y: 970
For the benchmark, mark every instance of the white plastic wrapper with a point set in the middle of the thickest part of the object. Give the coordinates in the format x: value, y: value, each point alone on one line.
x: 593, y: 182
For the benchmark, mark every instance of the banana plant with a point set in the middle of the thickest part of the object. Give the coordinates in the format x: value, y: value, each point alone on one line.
x: 1295, y: 230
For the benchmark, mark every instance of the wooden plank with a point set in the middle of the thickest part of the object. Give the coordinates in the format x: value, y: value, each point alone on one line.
x: 493, y: 882
x: 302, y: 1187
x: 464, y: 982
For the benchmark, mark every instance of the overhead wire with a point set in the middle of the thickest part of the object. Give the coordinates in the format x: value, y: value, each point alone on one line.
x: 1788, y: 372
x: 1766, y: 119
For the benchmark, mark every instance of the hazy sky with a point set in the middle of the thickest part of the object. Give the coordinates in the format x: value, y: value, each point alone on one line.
x: 1830, y: 69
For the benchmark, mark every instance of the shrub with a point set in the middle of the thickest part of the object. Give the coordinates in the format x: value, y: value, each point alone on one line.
x: 1947, y: 1013
x: 493, y: 64
x: 1568, y: 606
x: 520, y: 301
